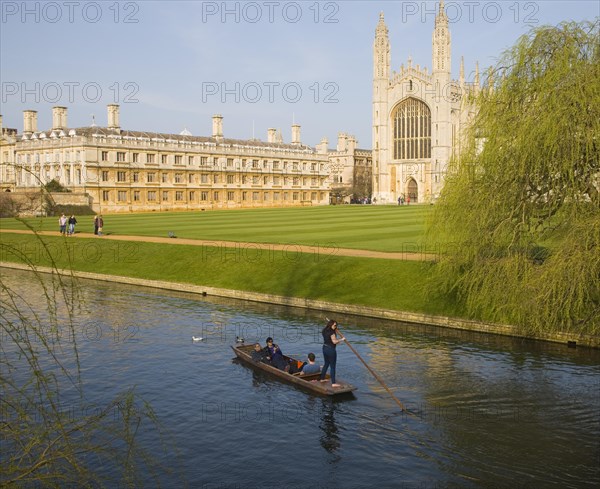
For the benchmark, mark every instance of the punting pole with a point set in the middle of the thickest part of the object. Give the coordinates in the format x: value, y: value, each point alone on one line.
x: 379, y: 379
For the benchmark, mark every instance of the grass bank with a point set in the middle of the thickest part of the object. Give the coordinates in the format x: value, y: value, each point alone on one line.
x: 377, y: 228
x: 390, y: 284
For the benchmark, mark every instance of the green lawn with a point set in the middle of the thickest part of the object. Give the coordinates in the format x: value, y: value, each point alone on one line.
x: 391, y: 284
x: 378, y: 228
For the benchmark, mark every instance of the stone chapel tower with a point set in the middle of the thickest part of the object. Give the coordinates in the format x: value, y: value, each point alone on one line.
x: 441, y: 139
x: 381, y: 77
x: 418, y: 118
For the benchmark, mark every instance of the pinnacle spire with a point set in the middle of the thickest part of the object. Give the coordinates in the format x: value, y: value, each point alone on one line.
x: 381, y: 50
x: 441, y: 17
x: 381, y: 29
x: 441, y: 46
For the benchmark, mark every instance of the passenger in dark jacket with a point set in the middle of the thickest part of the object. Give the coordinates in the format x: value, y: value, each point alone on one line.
x: 274, y: 355
x: 259, y: 354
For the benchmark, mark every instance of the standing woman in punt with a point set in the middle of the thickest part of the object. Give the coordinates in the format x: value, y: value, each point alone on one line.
x: 330, y: 340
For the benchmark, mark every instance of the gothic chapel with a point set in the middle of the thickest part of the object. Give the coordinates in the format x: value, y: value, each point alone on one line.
x: 418, y: 118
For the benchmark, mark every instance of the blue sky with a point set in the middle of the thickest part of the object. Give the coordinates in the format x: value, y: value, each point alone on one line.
x: 172, y: 65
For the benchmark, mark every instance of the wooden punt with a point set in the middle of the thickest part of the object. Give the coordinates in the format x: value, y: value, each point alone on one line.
x: 307, y: 382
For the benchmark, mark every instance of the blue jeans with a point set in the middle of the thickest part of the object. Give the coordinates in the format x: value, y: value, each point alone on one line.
x: 330, y: 356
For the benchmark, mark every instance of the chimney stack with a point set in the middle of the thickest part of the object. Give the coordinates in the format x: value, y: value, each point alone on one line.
x: 296, y: 134
x: 113, y: 116
x: 29, y: 122
x: 271, y: 135
x: 351, y: 144
x: 217, y: 131
x: 342, y: 143
x: 322, y: 147
x: 59, y: 118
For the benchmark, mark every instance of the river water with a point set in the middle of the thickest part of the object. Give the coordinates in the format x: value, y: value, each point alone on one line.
x: 488, y: 411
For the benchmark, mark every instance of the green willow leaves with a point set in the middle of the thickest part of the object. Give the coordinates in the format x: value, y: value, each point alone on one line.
x: 520, y: 209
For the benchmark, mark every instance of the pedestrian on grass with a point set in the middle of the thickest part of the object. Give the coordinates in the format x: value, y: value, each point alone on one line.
x: 100, y: 225
x: 72, y: 222
x: 62, y: 223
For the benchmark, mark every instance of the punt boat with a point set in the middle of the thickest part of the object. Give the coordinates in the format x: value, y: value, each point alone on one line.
x: 307, y: 382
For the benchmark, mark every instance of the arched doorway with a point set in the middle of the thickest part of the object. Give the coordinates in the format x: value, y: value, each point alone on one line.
x: 412, y: 190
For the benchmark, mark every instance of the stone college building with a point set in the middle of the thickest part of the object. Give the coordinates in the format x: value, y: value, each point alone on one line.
x: 127, y: 171
x: 418, y: 118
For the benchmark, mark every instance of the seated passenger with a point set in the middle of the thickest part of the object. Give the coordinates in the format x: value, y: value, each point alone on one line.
x: 274, y: 355
x: 311, y: 367
x: 259, y: 354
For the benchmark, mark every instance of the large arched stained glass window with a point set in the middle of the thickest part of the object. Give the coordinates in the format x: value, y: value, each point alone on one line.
x: 412, y: 130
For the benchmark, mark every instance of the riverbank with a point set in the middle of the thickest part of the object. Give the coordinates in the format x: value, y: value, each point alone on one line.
x: 321, y: 273
x: 371, y: 312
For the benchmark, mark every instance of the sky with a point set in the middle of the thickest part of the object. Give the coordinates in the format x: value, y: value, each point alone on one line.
x: 260, y: 64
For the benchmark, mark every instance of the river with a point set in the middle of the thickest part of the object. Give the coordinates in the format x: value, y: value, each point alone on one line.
x: 488, y: 411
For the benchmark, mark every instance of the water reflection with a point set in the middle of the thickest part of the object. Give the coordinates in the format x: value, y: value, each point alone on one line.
x: 330, y: 438
x: 259, y: 379
x: 318, y: 409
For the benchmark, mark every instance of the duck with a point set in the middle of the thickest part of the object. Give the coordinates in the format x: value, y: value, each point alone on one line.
x: 239, y: 340
x: 197, y: 338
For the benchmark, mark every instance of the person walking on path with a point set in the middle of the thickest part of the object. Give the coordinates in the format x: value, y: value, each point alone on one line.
x: 72, y: 222
x: 330, y: 341
x: 100, y: 223
x: 62, y: 223
x: 96, y: 224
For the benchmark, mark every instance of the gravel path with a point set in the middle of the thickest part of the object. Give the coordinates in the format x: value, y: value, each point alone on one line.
x: 329, y: 250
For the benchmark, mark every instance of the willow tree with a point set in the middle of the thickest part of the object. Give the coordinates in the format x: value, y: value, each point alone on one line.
x: 51, y: 435
x: 520, y: 210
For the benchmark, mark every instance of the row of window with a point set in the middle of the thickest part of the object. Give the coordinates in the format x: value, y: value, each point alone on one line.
x: 151, y: 158
x: 24, y: 177
x: 37, y: 157
x: 151, y: 177
x: 69, y: 177
x: 215, y: 196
